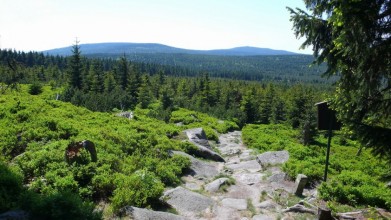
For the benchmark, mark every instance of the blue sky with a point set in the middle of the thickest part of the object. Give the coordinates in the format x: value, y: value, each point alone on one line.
x: 191, y: 24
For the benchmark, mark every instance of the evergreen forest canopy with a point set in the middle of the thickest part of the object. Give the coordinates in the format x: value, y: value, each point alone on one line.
x: 243, y: 63
x: 105, y: 84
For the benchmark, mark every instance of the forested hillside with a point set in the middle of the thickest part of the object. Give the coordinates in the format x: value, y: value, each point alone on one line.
x: 244, y: 63
x: 152, y: 48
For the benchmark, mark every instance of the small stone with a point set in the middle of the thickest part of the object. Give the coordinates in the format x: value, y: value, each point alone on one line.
x: 300, y: 182
x: 215, y: 185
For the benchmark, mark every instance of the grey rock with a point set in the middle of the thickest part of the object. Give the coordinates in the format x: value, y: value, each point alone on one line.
x: 14, y: 215
x: 230, y: 151
x: 185, y: 201
x: 128, y: 115
x: 193, y: 186
x: 215, y: 185
x: 273, y: 158
x: 146, y: 214
x: 197, y: 136
x: 300, y: 182
x: 198, y: 167
x: 249, y: 178
x: 239, y: 204
x: 250, y: 165
x: 268, y: 204
x: 277, y: 177
x: 262, y: 217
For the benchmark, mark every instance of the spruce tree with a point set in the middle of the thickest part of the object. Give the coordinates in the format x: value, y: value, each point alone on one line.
x: 75, y: 67
x: 354, y: 38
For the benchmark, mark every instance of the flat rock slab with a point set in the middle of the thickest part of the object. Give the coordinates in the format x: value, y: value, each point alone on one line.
x: 263, y: 217
x: 277, y: 177
x: 239, y: 204
x: 215, y: 185
x: 273, y: 158
x: 268, y: 204
x: 200, y: 168
x: 222, y: 212
x: 230, y: 150
x: 249, y: 178
x: 247, y: 155
x: 251, y: 166
x: 146, y: 214
x: 186, y: 201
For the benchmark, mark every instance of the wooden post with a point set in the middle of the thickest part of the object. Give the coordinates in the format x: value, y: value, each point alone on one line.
x: 330, y: 133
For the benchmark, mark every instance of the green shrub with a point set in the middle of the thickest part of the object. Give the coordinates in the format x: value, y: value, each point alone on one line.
x: 138, y: 189
x: 35, y: 88
x: 61, y: 205
x: 10, y: 187
x: 356, y: 187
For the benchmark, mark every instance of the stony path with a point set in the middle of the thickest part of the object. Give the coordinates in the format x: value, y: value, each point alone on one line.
x: 260, y: 190
x: 249, y: 198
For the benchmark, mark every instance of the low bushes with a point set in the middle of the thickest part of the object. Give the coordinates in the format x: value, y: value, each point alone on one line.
x: 353, y: 180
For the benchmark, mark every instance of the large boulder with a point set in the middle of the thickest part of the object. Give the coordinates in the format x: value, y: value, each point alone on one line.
x: 186, y: 201
x: 200, y: 168
x: 198, y: 137
x: 146, y: 214
x: 273, y: 158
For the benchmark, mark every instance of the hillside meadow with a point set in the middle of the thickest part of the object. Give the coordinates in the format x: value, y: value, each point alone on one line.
x: 134, y: 163
x: 133, y: 166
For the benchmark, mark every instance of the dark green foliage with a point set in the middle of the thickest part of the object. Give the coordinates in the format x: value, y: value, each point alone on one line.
x: 35, y: 88
x: 75, y: 67
x: 10, y: 187
x: 354, y: 180
x: 61, y: 205
x: 356, y: 187
x: 354, y: 40
x: 138, y: 189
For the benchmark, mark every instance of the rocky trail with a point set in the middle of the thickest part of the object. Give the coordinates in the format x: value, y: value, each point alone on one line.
x: 230, y: 181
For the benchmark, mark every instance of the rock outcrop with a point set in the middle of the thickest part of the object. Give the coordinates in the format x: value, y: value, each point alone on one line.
x: 273, y: 158
x: 200, y: 168
x: 198, y: 137
x: 186, y: 202
x: 146, y: 214
x: 128, y: 115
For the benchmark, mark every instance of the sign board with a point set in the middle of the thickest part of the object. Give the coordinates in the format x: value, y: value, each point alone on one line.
x: 327, y: 117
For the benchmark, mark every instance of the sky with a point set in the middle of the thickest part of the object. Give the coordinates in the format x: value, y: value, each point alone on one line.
x: 191, y: 24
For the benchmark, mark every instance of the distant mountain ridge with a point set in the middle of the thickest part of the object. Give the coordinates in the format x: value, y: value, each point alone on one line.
x: 147, y: 48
